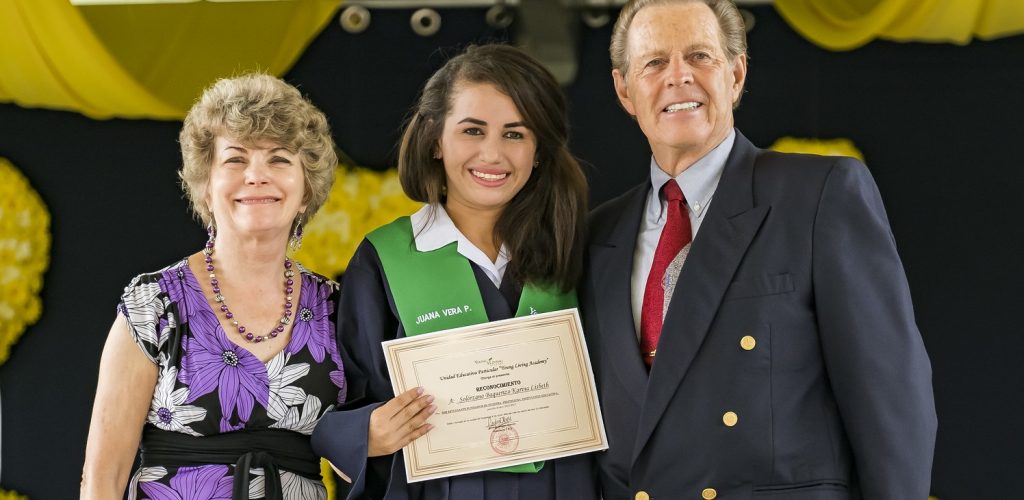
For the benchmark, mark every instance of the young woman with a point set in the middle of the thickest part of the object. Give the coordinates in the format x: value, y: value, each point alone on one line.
x: 502, y: 226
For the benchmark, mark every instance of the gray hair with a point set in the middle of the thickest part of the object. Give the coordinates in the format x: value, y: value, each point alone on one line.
x: 730, y: 21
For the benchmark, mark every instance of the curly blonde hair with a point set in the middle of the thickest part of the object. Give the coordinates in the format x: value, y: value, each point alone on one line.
x: 251, y: 108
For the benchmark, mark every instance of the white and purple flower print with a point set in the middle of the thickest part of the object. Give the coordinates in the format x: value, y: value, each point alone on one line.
x: 283, y: 394
x: 338, y: 375
x: 214, y: 362
x: 183, y: 289
x: 292, y: 486
x: 167, y: 410
x: 207, y: 482
x: 143, y: 305
x: 303, y: 422
x: 311, y: 329
x: 208, y: 385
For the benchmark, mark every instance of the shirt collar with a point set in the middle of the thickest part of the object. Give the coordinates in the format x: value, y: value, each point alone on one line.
x: 697, y: 182
x: 432, y: 228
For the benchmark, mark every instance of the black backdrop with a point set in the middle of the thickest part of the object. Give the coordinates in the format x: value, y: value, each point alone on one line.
x: 938, y: 124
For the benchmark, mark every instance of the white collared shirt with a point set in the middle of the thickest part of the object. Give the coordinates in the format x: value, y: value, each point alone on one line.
x: 698, y: 183
x: 432, y: 228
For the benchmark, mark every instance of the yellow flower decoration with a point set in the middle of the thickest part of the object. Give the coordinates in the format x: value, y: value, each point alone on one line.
x: 328, y: 477
x: 360, y: 201
x: 11, y: 495
x: 24, y: 255
x: 824, y: 147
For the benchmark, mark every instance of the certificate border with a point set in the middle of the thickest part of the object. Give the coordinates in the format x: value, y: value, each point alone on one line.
x: 595, y: 441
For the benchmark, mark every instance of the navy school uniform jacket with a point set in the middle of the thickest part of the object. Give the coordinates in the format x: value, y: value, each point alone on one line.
x: 367, y: 316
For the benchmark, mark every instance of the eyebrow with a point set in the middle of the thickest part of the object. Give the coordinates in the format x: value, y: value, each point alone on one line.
x: 243, y: 150
x: 701, y: 46
x: 482, y: 123
x: 689, y: 48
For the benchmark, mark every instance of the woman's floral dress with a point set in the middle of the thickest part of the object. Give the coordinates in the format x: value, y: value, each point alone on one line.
x: 208, y: 385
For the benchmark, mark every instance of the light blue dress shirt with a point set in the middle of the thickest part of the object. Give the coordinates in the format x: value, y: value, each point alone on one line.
x: 698, y: 183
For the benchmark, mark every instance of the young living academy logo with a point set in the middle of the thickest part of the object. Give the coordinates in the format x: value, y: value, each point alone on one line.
x: 489, y: 361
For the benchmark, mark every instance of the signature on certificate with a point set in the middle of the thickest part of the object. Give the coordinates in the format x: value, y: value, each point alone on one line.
x: 499, y: 421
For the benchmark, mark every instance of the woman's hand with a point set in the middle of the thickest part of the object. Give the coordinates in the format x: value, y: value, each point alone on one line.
x: 399, y: 421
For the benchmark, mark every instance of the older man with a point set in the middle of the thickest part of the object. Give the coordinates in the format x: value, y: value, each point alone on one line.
x: 747, y: 312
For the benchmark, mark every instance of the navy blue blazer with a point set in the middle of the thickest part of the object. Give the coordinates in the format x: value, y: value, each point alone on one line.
x: 366, y: 317
x: 830, y: 397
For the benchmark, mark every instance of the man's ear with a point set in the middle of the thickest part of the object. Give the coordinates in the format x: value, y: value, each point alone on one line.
x: 622, y: 92
x: 739, y: 74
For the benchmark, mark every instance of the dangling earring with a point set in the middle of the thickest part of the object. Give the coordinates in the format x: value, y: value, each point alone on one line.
x: 295, y: 242
x: 536, y: 163
x: 211, y: 232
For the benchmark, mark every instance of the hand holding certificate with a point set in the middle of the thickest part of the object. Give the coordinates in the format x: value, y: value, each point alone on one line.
x: 507, y: 393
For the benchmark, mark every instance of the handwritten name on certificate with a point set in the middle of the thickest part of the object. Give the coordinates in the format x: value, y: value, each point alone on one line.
x: 508, y: 392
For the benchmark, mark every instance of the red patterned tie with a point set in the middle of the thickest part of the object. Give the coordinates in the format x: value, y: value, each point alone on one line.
x: 674, y: 236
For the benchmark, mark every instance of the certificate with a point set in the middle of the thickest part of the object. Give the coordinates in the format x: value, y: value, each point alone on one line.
x: 507, y: 393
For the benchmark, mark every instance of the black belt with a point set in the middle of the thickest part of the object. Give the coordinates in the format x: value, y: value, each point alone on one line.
x: 269, y: 449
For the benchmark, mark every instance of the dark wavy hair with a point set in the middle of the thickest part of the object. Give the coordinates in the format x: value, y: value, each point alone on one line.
x: 542, y: 226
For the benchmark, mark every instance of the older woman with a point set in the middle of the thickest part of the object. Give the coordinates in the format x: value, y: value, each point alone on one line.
x: 505, y: 202
x: 218, y: 366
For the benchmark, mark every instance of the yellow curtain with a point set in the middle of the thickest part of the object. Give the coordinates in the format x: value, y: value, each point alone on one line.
x: 50, y: 58
x: 848, y: 24
x: 144, y: 61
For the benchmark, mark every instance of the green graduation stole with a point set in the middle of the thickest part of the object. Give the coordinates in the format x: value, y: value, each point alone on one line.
x: 437, y: 290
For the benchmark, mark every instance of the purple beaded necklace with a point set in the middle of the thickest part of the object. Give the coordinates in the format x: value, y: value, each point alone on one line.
x: 219, y: 297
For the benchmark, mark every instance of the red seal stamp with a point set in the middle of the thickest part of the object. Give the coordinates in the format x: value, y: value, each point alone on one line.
x: 504, y: 440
